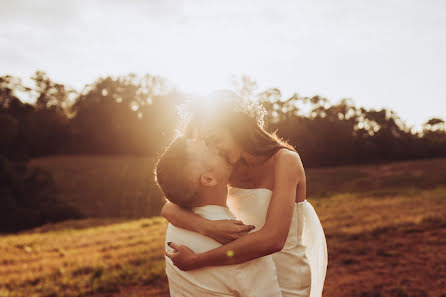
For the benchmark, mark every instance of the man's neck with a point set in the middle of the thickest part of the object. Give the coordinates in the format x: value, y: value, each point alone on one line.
x: 213, y: 196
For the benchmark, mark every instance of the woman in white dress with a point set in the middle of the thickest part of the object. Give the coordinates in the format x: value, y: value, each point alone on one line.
x: 267, y: 192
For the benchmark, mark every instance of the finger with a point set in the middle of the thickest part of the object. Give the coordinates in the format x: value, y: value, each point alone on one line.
x: 246, y: 228
x: 174, y: 246
x: 237, y: 222
x: 226, y: 240
x: 169, y: 254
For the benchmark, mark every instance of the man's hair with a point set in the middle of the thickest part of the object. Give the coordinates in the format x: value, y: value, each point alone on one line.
x: 177, y: 173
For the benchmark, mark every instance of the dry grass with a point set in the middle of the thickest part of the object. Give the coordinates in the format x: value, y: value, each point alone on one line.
x: 387, y: 245
x: 378, y: 246
x: 377, y: 178
x: 80, y: 260
x: 382, y: 241
x: 357, y: 213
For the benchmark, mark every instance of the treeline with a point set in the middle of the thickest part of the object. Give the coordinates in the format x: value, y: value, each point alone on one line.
x: 342, y: 133
x: 124, y: 115
x: 138, y: 115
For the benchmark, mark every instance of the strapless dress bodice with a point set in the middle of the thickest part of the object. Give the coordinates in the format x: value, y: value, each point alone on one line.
x: 251, y: 207
x: 302, y: 263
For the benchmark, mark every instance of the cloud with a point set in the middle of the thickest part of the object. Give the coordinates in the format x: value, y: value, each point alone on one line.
x: 38, y: 12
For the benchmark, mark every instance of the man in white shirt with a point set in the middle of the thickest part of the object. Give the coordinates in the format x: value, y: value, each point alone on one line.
x: 195, y: 177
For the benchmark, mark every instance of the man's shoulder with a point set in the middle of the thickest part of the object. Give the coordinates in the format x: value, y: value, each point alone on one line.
x: 193, y: 240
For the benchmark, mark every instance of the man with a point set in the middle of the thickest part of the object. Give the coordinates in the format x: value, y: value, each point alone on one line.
x: 195, y: 177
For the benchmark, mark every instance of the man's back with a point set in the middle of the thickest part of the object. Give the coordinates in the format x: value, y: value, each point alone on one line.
x: 253, y: 278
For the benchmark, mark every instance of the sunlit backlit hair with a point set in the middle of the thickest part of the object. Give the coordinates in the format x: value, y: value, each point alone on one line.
x: 178, y: 171
x: 242, y: 117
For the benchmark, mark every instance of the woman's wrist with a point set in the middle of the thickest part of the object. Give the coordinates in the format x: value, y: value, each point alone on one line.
x: 211, y: 258
x: 199, y: 261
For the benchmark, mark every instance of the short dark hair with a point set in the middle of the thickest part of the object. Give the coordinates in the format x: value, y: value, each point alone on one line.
x: 175, y: 175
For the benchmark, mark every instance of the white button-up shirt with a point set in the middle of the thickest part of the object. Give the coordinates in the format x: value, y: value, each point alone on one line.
x: 255, y: 278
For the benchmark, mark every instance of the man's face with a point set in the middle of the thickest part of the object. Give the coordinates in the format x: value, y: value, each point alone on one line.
x: 214, y: 162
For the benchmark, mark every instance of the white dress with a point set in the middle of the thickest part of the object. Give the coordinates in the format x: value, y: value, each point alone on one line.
x: 302, y: 263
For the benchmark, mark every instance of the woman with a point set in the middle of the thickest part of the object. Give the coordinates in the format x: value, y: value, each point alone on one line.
x: 267, y: 190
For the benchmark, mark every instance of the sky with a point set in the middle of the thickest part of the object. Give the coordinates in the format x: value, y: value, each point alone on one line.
x: 380, y: 53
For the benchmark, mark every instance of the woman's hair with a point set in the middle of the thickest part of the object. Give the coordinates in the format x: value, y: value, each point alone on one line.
x: 244, y: 120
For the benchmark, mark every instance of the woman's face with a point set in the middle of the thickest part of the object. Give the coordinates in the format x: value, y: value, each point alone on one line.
x: 224, y: 142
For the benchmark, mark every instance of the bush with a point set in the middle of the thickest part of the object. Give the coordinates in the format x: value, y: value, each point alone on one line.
x: 28, y: 198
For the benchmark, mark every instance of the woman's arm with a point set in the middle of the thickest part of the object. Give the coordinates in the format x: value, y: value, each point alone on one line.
x: 223, y: 231
x: 184, y: 218
x: 288, y: 172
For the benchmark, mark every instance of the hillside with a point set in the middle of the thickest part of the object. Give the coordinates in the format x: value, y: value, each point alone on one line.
x: 123, y: 186
x: 387, y: 239
x: 106, y: 186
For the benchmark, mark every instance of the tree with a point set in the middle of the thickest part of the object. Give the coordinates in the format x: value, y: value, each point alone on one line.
x: 125, y: 114
x: 434, y: 124
x: 49, y: 94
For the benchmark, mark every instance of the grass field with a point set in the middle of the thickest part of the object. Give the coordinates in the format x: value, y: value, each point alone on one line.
x: 123, y: 186
x: 106, y: 186
x: 384, y: 238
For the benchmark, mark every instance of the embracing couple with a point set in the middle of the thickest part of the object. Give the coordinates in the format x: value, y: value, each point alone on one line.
x: 239, y: 223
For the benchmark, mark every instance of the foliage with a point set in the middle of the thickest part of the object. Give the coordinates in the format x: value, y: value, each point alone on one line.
x: 49, y: 94
x: 124, y: 115
x: 327, y: 134
x: 130, y: 114
x: 28, y: 198
x: 137, y: 115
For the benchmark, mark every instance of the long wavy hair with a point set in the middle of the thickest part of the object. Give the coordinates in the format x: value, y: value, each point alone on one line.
x: 243, y: 118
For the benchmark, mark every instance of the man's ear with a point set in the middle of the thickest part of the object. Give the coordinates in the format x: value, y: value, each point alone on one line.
x: 208, y: 180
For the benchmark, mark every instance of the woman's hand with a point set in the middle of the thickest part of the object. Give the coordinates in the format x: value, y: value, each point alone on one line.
x: 182, y: 257
x: 225, y: 231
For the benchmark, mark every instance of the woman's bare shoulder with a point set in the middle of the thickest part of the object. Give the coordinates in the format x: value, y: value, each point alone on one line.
x: 284, y: 155
x: 288, y: 161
